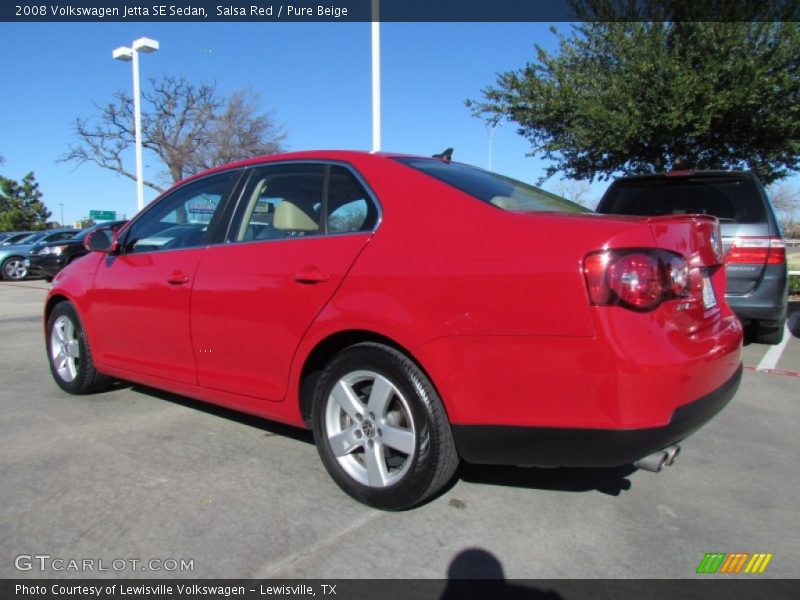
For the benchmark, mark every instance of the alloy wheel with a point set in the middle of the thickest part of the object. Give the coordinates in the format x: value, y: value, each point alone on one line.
x: 65, y: 348
x: 15, y: 269
x: 370, y: 429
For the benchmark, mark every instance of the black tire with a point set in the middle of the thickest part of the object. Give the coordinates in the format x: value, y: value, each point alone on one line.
x: 769, y: 335
x: 413, y: 408
x: 78, y: 376
x: 13, y: 269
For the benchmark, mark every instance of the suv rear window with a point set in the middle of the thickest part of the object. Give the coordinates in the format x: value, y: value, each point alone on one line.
x: 500, y: 191
x: 727, y: 198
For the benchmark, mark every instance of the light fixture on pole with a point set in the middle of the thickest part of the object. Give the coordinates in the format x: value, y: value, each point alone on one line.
x: 376, y: 76
x: 126, y: 54
x: 491, y: 125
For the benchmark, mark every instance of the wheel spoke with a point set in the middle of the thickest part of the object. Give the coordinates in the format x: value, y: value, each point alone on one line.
x: 347, y: 399
x: 59, y: 358
x: 59, y: 331
x: 71, y: 368
x: 377, y: 473
x: 73, y: 349
x: 401, y: 440
x: 379, y: 396
x: 344, y: 442
x: 69, y: 330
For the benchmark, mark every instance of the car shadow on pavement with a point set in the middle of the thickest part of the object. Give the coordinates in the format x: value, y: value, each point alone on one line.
x: 611, y: 481
x: 269, y: 427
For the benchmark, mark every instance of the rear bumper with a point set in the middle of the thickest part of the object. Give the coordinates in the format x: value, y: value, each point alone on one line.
x: 562, y: 447
x: 767, y: 302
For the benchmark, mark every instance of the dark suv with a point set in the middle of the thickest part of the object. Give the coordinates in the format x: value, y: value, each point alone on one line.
x: 755, y: 253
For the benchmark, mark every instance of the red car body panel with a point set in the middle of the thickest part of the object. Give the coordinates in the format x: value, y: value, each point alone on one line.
x: 246, y: 332
x: 492, y: 304
x: 139, y: 307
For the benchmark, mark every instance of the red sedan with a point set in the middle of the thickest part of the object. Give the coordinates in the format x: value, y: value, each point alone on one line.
x: 412, y: 312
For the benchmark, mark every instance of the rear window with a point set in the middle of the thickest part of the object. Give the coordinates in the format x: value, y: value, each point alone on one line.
x: 728, y: 199
x: 502, y: 192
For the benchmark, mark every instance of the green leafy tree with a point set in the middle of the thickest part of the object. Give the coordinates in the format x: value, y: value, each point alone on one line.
x: 647, y: 86
x: 21, y: 206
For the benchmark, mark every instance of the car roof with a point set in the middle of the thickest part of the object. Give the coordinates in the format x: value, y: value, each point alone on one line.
x: 335, y: 155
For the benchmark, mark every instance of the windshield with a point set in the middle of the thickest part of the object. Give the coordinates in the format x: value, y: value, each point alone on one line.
x: 34, y: 237
x: 727, y: 198
x: 14, y: 238
x: 502, y: 192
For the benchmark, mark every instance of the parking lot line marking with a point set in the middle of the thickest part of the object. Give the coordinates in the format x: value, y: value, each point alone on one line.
x: 774, y: 371
x: 270, y: 570
x: 773, y: 355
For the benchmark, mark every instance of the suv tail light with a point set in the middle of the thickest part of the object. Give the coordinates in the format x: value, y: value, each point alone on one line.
x: 757, y: 250
x: 639, y: 279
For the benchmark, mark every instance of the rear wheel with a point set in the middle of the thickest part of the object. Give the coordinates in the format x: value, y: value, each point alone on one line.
x: 380, y: 428
x: 14, y: 269
x: 69, y: 353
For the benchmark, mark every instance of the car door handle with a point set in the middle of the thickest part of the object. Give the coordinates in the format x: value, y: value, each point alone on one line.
x: 177, y: 278
x: 311, y: 275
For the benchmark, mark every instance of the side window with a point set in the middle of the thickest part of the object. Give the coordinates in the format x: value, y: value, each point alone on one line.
x: 350, y: 208
x: 182, y: 219
x: 283, y: 202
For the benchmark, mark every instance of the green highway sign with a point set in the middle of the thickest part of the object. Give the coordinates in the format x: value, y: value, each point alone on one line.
x: 103, y: 215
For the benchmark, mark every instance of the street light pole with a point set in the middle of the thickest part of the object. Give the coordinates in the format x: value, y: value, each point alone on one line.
x: 376, y: 76
x: 61, y: 204
x: 490, y: 127
x: 132, y: 54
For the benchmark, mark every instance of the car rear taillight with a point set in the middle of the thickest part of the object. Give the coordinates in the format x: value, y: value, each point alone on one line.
x: 636, y: 278
x: 757, y: 250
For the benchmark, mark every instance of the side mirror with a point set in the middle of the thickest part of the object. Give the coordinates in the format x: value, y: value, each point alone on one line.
x: 101, y: 240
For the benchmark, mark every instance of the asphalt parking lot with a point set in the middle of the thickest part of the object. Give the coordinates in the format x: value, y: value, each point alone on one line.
x: 137, y: 474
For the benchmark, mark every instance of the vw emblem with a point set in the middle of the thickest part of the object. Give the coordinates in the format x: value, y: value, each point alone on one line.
x: 368, y: 428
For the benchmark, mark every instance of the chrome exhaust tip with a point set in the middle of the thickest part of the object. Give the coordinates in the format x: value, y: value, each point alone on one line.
x: 672, y: 454
x: 653, y: 463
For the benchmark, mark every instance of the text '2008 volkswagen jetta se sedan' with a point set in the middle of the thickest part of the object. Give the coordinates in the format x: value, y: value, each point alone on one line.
x: 412, y: 312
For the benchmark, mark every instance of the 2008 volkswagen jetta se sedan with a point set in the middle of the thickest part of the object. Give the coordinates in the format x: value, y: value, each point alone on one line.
x: 412, y: 312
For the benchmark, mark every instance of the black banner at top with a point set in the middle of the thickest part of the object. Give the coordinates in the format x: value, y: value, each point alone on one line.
x: 397, y: 10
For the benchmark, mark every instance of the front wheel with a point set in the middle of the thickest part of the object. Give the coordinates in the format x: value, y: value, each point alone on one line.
x: 69, y: 353
x: 14, y: 269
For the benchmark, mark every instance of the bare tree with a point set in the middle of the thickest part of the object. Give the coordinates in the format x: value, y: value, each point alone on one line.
x: 236, y: 131
x: 578, y: 191
x: 785, y: 199
x: 188, y: 127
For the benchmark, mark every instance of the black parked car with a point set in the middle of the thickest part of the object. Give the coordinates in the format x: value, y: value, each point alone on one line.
x: 47, y: 259
x: 755, y: 252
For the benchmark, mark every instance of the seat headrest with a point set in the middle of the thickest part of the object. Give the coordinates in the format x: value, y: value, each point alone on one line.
x: 289, y: 217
